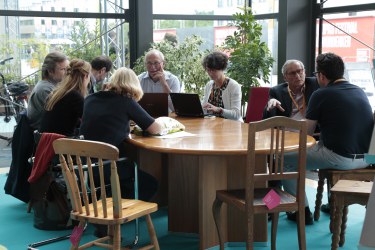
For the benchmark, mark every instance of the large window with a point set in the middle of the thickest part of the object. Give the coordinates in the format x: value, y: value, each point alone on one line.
x: 265, y: 7
x: 213, y: 31
x: 199, y: 7
x: 336, y: 3
x: 29, y: 38
x: 351, y: 34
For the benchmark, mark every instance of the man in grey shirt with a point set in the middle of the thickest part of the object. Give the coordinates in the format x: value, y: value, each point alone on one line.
x: 53, y: 71
x: 156, y: 79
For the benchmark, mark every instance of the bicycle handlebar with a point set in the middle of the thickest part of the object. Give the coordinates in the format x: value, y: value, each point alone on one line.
x: 2, y: 62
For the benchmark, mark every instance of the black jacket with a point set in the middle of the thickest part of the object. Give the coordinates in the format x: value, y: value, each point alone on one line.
x: 20, y: 168
x: 280, y: 93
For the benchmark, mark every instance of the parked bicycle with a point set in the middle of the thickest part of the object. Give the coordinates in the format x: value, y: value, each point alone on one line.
x: 13, y: 97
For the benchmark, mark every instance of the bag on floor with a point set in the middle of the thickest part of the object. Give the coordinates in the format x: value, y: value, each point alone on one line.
x: 50, y: 203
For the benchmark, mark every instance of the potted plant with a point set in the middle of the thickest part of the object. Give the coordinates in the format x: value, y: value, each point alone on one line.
x: 250, y: 59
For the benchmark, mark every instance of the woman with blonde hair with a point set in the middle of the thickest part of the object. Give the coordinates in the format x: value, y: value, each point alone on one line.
x: 64, y: 107
x: 106, y: 118
x: 107, y: 114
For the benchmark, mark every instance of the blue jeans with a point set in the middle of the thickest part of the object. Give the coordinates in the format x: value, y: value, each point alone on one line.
x: 318, y: 157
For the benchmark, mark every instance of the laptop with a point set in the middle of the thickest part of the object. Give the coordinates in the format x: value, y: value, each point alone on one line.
x: 155, y: 104
x: 187, y: 104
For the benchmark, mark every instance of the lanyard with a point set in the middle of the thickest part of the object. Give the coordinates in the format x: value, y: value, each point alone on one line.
x: 302, y: 109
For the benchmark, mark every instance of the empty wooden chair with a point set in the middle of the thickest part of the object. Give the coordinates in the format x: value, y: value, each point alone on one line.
x: 87, y: 207
x: 250, y: 199
x: 332, y: 176
x: 345, y: 193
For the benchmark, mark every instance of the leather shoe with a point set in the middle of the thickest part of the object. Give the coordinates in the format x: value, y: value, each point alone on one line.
x: 308, y: 216
x: 326, y: 208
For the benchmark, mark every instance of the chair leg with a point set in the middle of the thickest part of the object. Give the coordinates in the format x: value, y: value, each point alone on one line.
x: 136, y: 237
x: 319, y: 197
x: 332, y: 205
x: 250, y: 231
x: 337, y: 227
x: 151, y: 232
x: 116, y: 236
x: 343, y: 225
x: 275, y: 222
x: 80, y: 224
x: 301, y: 228
x: 216, y: 207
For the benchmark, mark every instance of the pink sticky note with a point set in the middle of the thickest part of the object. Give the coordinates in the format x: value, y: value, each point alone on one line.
x: 272, y: 199
x: 76, y: 235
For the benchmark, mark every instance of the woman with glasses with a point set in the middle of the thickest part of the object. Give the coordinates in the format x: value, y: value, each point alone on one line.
x: 222, y: 95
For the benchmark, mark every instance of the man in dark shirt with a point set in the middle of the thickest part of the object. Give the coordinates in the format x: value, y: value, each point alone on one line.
x: 346, y: 122
x: 101, y: 65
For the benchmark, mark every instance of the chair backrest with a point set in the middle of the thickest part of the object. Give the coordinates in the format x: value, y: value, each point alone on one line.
x: 258, y: 97
x: 80, y: 156
x: 281, y: 129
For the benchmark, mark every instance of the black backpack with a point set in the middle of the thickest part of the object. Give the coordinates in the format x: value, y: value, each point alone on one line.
x: 49, y: 200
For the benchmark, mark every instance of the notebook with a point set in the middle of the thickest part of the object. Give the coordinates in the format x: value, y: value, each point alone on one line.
x: 155, y: 104
x: 186, y: 104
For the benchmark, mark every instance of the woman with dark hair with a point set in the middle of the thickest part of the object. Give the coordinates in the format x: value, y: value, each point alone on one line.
x: 222, y: 95
x: 64, y: 107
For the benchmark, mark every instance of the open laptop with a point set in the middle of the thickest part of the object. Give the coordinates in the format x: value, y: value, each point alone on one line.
x: 186, y: 104
x: 156, y: 104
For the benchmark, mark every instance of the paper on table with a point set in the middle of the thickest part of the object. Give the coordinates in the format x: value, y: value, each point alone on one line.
x: 175, y: 135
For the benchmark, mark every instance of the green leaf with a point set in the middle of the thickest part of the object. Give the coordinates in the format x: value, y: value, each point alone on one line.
x: 250, y: 58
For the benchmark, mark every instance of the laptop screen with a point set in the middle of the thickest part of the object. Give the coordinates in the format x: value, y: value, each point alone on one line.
x: 155, y: 104
x: 187, y: 104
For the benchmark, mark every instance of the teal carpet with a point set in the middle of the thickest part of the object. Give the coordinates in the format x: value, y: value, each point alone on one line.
x: 17, y: 231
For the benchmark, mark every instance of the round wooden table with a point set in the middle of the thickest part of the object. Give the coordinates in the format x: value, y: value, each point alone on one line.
x: 191, y: 169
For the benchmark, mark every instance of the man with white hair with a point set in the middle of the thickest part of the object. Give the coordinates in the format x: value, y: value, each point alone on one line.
x: 290, y: 99
x: 156, y: 79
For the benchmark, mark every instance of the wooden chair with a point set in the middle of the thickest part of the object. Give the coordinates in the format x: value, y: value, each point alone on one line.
x: 345, y: 193
x: 86, y: 206
x: 250, y: 200
x: 332, y: 176
x: 258, y: 97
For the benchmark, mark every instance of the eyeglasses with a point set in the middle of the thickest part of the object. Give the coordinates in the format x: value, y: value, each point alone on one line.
x: 297, y: 72
x: 149, y: 64
x: 315, y: 73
